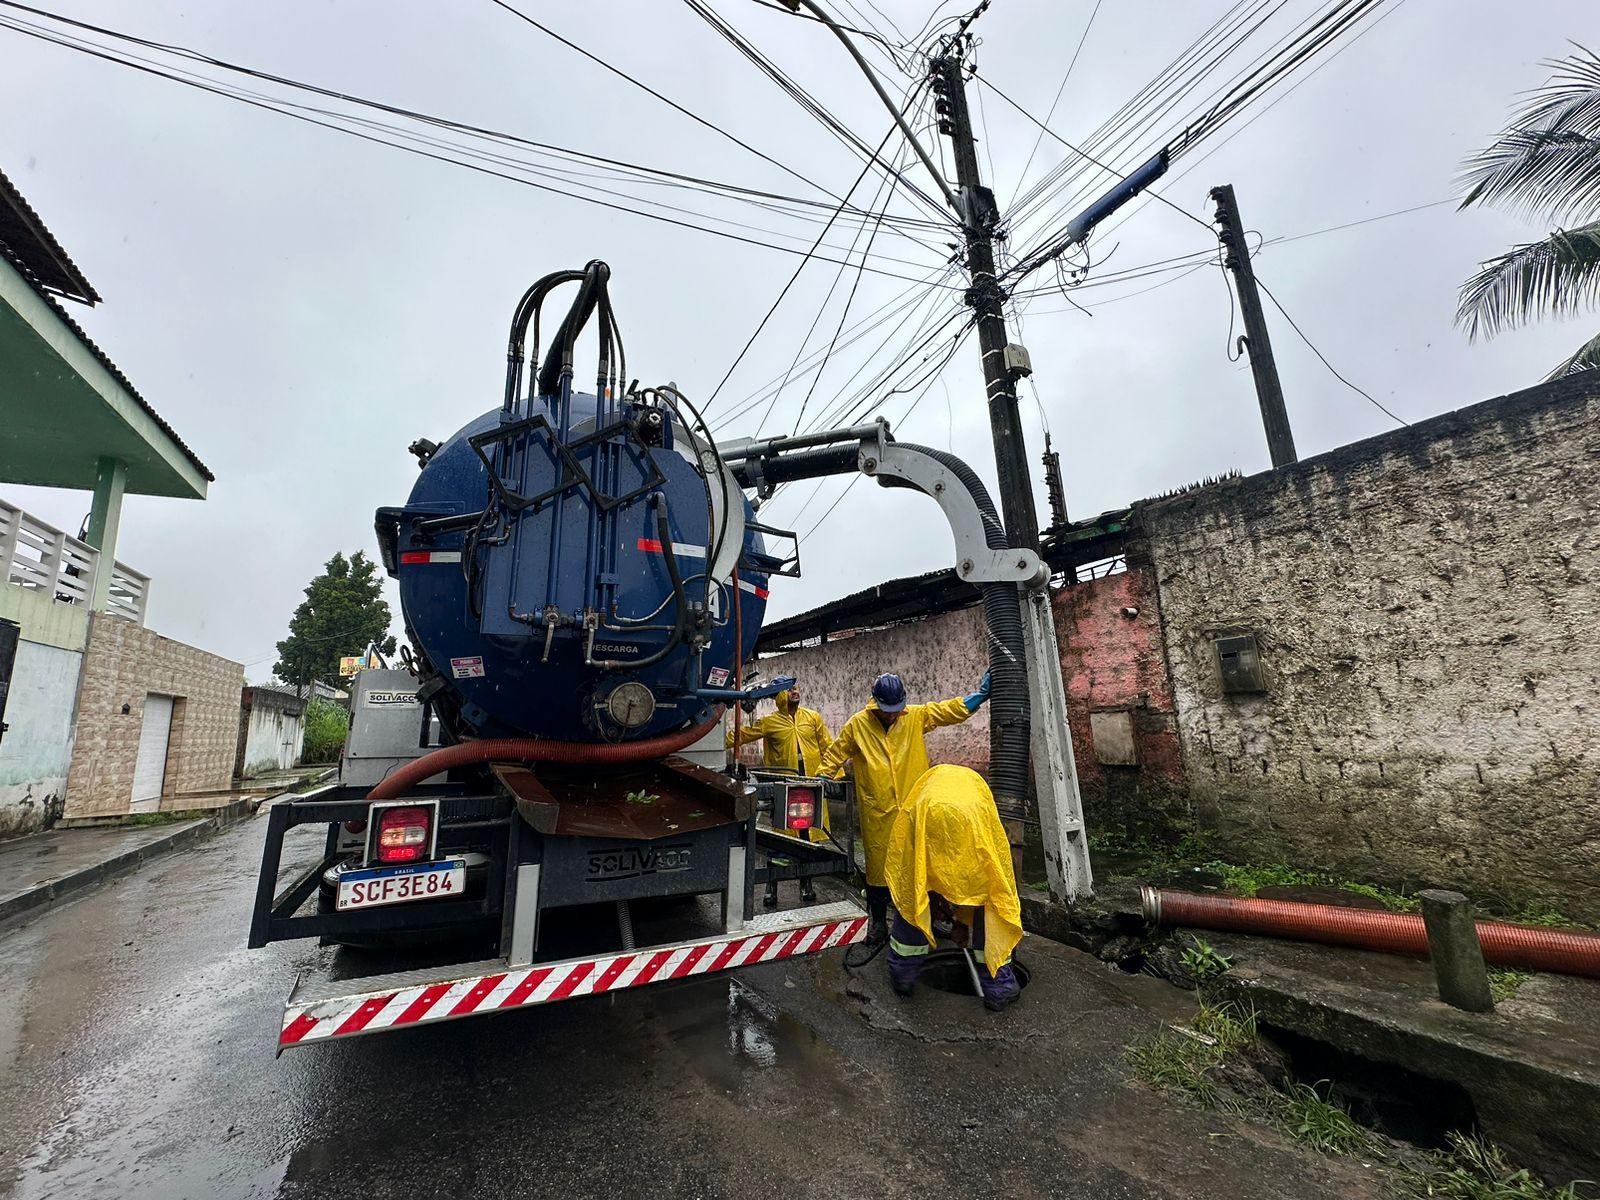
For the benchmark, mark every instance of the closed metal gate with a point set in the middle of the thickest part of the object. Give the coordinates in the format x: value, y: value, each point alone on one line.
x: 150, y: 772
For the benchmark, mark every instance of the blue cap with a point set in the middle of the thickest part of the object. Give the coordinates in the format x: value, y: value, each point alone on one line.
x: 889, y: 692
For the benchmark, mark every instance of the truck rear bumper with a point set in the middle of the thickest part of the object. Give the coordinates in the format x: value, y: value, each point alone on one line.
x: 322, y: 1011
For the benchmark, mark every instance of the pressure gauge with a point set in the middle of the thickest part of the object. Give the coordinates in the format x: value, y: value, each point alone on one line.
x: 631, y: 704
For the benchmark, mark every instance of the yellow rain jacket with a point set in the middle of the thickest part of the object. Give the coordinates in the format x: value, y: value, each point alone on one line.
x: 948, y: 839
x: 888, y: 763
x: 788, y: 737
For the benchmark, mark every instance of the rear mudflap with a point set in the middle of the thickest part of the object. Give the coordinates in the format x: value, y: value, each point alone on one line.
x: 318, y: 1011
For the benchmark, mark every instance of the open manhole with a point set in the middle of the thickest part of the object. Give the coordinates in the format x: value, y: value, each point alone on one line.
x: 947, y: 971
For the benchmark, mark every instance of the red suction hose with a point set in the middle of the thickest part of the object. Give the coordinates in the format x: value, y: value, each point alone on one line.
x: 1531, y: 948
x: 536, y: 750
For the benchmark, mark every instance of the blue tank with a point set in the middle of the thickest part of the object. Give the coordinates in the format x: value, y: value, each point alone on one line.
x: 568, y: 562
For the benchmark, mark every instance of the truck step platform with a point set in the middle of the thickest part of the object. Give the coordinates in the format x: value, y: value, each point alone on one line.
x: 319, y: 1011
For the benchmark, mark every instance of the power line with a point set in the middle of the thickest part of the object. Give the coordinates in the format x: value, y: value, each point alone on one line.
x: 811, y: 104
x: 711, y: 399
x: 1323, y: 357
x: 267, y: 105
x: 1039, y: 138
x: 673, y: 104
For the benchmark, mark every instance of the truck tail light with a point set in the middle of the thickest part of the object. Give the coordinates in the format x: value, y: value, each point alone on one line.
x: 403, y: 834
x: 800, y: 808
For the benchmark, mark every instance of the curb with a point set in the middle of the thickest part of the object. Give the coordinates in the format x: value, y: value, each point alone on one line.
x: 47, y: 894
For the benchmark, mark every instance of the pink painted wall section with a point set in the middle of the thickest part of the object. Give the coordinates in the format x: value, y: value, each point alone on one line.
x: 938, y: 658
x: 1113, y: 660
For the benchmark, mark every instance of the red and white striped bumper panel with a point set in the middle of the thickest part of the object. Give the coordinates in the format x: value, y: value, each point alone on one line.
x: 380, y: 1008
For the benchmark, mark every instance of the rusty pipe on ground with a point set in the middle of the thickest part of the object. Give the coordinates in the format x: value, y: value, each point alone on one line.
x: 537, y: 750
x: 1528, y: 947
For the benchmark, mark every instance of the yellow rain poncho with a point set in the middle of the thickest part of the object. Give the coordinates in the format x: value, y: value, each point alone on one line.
x: 888, y: 763
x: 787, y: 736
x: 790, y: 737
x: 949, y: 840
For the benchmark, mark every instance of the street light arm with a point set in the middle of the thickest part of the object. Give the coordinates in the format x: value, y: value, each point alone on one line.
x: 872, y: 77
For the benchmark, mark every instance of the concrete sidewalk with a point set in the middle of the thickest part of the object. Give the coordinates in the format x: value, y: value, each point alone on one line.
x: 37, y: 871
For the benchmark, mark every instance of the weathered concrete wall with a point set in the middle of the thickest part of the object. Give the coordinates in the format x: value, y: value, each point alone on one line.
x: 38, y: 742
x: 1113, y: 662
x: 44, y: 619
x: 125, y: 662
x: 271, y: 732
x: 1426, y: 605
x: 938, y: 659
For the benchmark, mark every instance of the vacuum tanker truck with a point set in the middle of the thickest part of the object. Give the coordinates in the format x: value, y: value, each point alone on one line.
x: 538, y: 798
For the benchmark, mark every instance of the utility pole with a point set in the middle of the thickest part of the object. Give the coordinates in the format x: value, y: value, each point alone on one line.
x: 1269, y: 391
x: 1001, y: 362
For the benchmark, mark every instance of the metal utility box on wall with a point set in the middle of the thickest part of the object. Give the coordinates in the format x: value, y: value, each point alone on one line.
x: 1112, y: 735
x: 1239, y: 662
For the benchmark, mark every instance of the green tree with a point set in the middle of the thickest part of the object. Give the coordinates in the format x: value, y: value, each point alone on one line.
x: 1545, y: 165
x: 344, y: 609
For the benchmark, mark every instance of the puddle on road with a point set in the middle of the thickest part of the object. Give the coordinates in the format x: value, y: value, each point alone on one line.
x: 728, y: 1032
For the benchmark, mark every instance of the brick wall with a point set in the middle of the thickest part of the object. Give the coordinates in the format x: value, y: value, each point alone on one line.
x: 1113, y: 664
x: 123, y: 663
x: 1426, y: 605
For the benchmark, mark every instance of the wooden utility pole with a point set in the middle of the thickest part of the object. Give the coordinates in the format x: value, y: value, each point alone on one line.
x: 986, y: 297
x: 1269, y: 391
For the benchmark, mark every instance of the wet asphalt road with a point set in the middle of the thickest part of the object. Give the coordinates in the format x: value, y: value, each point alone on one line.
x: 137, y: 1039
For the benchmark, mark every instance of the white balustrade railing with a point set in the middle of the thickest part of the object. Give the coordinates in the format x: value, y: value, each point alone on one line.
x: 41, y: 557
x: 129, y: 593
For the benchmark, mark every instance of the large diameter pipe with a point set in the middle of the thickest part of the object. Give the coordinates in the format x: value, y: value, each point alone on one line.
x: 1529, y: 947
x: 536, y: 750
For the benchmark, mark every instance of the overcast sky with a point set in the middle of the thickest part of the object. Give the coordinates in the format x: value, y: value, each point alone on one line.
x: 300, y: 305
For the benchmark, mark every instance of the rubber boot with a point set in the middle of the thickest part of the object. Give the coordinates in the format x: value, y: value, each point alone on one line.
x: 999, y: 989
x: 877, y: 915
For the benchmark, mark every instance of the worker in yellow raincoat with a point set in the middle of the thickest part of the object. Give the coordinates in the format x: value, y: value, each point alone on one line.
x: 792, y: 738
x: 948, y: 845
x: 885, y: 745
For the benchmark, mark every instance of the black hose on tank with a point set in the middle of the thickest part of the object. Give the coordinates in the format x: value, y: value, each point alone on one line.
x: 1002, y: 613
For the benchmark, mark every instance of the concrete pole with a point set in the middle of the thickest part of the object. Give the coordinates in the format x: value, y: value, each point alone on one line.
x: 1457, y: 956
x: 105, y: 519
x: 986, y: 298
x: 1269, y: 390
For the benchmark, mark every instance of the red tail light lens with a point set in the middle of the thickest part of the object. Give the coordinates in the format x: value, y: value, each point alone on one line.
x: 403, y: 834
x: 800, y: 809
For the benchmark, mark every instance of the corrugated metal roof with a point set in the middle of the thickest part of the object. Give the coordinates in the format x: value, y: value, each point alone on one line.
x: 30, y: 246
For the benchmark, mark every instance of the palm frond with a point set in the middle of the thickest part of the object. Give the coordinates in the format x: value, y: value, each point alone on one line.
x: 1557, y: 276
x: 1547, y: 161
x: 1586, y: 359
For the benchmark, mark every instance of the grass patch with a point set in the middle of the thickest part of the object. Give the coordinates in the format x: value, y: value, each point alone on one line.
x: 141, y: 820
x: 1505, y: 982
x: 1187, y: 1062
x: 1473, y: 1169
x: 1249, y: 878
x: 1539, y: 914
x: 1204, y: 961
x: 1316, y: 1120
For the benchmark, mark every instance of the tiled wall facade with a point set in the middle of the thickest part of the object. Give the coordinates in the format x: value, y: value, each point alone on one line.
x: 124, y: 663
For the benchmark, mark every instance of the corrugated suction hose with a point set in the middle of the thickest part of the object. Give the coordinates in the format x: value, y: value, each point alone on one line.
x: 1529, y: 947
x: 1008, y: 669
x: 537, y: 750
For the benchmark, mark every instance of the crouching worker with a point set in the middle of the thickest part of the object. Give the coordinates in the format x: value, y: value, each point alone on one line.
x: 948, y: 844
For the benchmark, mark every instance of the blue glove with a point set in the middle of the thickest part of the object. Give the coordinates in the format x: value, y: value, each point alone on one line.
x: 975, y: 701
